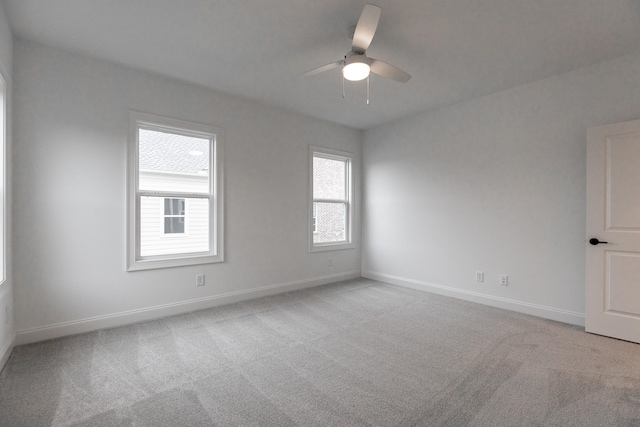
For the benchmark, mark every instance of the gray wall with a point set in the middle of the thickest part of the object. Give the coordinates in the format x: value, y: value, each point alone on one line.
x: 70, y: 169
x: 6, y: 290
x: 496, y: 184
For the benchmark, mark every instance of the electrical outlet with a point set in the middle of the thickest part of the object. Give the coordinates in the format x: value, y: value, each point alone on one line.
x: 504, y: 280
x: 199, y: 279
x: 479, y: 276
x: 330, y: 262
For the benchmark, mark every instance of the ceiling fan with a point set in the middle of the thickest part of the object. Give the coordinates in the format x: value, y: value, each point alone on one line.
x: 356, y: 65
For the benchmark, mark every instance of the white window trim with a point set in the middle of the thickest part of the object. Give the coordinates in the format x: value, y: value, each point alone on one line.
x: 342, y: 156
x: 3, y: 176
x: 216, y: 208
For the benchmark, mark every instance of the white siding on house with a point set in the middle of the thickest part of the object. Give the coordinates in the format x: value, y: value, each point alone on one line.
x: 153, y: 240
x: 173, y: 182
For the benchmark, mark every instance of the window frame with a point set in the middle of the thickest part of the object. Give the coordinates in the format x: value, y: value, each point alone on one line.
x: 215, y: 254
x: 328, y: 153
x: 4, y: 134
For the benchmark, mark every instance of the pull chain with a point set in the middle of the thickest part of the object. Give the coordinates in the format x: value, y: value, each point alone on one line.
x: 367, y: 90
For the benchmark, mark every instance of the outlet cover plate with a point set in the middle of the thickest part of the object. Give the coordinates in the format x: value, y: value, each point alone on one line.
x: 199, y: 279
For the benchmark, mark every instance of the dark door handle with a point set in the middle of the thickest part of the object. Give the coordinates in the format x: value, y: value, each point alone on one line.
x: 595, y: 241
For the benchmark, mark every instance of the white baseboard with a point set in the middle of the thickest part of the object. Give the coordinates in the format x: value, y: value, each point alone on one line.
x: 551, y: 313
x: 32, y: 335
x: 6, y: 352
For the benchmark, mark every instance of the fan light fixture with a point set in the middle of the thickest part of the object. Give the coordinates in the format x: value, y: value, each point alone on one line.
x: 356, y: 68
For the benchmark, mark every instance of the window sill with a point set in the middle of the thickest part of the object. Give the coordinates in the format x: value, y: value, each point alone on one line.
x: 156, y: 263
x: 331, y: 247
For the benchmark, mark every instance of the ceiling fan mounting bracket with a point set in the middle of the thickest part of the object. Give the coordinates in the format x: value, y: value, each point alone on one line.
x: 357, y: 56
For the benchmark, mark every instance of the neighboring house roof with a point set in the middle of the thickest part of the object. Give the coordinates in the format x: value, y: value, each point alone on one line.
x: 166, y: 152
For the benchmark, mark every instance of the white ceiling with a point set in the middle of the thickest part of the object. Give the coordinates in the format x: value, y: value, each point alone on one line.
x: 454, y: 49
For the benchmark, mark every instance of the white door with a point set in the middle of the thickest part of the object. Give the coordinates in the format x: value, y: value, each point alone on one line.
x: 613, y: 220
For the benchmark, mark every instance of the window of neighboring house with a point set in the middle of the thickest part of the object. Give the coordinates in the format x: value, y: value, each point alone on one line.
x: 3, y: 187
x: 174, y: 216
x: 314, y: 222
x: 175, y: 180
x: 331, y: 199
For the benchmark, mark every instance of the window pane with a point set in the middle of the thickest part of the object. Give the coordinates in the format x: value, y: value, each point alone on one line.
x: 172, y: 162
x: 174, y: 225
x: 187, y: 234
x: 329, y: 178
x: 314, y: 223
x: 174, y: 206
x: 331, y: 220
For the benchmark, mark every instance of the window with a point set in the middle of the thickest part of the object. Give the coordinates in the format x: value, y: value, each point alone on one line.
x: 175, y: 198
x: 174, y: 216
x: 331, y: 200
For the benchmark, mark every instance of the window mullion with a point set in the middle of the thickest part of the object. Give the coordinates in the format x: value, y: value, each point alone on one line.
x: 330, y: 201
x: 174, y: 195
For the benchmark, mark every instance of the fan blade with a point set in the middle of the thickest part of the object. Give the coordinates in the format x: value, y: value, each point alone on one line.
x: 324, y: 68
x: 366, y: 28
x: 389, y: 71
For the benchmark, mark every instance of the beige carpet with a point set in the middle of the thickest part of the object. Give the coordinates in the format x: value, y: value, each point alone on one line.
x: 355, y: 353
